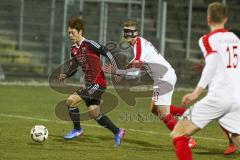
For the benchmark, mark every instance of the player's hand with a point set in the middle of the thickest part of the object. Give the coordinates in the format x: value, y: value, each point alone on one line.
x: 137, y: 64
x: 134, y: 64
x: 107, y: 68
x: 62, y: 77
x: 117, y: 78
x: 127, y: 66
x: 188, y: 99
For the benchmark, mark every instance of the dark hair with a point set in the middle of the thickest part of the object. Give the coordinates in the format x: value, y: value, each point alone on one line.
x: 76, y: 23
x: 217, y: 12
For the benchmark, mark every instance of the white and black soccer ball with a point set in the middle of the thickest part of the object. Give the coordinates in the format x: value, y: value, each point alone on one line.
x: 39, y: 133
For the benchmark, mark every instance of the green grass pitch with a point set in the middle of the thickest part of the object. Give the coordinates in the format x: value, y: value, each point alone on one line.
x: 23, y: 107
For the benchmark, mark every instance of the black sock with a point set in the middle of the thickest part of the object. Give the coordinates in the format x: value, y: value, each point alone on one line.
x: 75, y: 117
x: 107, y: 123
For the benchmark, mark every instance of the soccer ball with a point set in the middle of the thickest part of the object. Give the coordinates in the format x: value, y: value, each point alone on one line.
x: 39, y: 133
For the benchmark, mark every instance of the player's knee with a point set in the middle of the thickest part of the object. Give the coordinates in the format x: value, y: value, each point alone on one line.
x: 69, y: 102
x: 94, y: 115
x: 72, y: 102
x: 94, y: 111
x: 163, y: 111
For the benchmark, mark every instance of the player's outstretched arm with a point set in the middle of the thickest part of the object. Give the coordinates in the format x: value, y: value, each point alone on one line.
x: 73, y: 65
x: 113, y: 68
x: 207, y: 75
x: 108, y: 68
x: 189, y: 98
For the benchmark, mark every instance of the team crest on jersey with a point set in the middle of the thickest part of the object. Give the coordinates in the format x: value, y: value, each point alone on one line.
x: 82, y: 59
x: 84, y: 49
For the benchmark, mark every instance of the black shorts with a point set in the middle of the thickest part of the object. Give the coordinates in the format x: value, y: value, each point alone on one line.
x: 91, y: 94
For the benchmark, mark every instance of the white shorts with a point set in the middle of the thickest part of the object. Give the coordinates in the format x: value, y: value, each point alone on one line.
x: 231, y: 120
x: 163, y: 89
x: 210, y: 108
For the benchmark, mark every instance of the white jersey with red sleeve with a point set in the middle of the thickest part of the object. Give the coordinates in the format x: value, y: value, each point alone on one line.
x: 221, y: 49
x: 158, y: 68
x: 222, y: 75
x: 145, y: 52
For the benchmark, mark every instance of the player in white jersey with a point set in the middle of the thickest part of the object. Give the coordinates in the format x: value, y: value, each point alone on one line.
x: 221, y: 74
x: 157, y: 67
x: 160, y: 71
x: 145, y: 53
x: 231, y: 148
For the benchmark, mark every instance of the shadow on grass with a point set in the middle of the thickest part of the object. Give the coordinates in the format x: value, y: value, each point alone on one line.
x: 80, y: 139
x: 203, y: 150
x: 35, y: 144
x: 134, y: 144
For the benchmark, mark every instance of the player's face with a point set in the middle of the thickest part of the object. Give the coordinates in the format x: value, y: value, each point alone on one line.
x: 129, y: 39
x: 74, y: 35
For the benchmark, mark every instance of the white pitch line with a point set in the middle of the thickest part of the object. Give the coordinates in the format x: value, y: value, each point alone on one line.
x: 96, y: 126
x: 46, y: 84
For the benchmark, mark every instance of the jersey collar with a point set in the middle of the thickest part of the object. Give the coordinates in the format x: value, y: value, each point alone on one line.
x: 133, y: 43
x: 219, y: 30
x: 78, y: 45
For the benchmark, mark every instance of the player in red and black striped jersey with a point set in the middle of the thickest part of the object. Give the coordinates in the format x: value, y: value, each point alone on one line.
x: 86, y: 54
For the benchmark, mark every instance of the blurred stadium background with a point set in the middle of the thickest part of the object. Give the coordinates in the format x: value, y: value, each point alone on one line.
x: 33, y: 38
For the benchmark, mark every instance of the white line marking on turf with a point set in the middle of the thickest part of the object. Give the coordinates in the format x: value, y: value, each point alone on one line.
x: 46, y: 84
x: 96, y: 126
